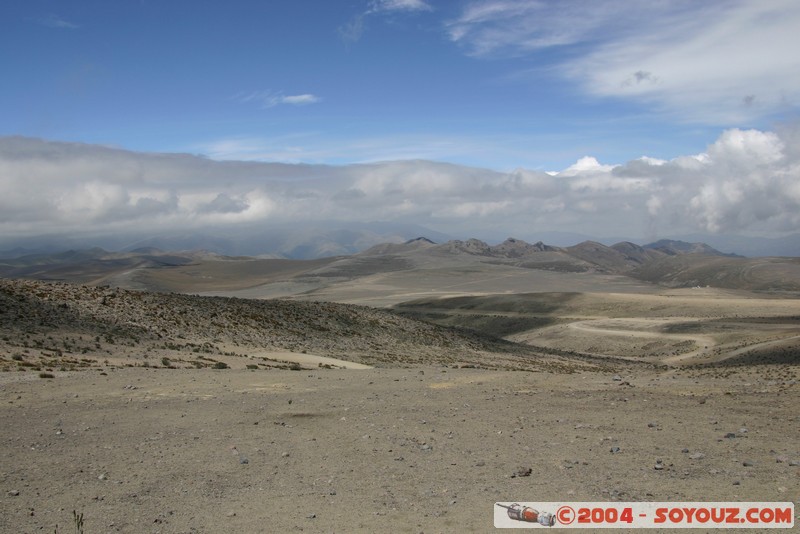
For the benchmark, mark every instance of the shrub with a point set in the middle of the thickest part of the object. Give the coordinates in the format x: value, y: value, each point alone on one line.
x: 220, y: 365
x: 46, y: 375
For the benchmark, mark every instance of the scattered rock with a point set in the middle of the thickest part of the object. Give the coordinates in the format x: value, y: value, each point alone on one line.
x: 522, y: 472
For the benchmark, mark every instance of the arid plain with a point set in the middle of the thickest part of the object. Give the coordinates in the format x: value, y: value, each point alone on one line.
x: 405, y: 389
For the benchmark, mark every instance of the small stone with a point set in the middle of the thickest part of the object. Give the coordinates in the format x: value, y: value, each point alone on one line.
x: 616, y: 378
x: 684, y: 451
x: 103, y: 476
x: 244, y: 461
x: 652, y: 425
x: 426, y: 447
x: 284, y: 455
x: 747, y: 463
x: 522, y: 472
x: 311, y: 516
x: 13, y: 493
x: 658, y: 467
x: 730, y: 435
x: 794, y: 463
x: 781, y: 459
x: 615, y: 450
x: 697, y: 456
x: 737, y: 483
x: 743, y: 430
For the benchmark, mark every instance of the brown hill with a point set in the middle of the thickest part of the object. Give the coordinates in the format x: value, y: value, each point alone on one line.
x: 62, y: 325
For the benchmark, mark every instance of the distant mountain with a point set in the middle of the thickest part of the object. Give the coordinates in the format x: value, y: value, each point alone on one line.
x: 671, y: 263
x: 673, y: 247
x: 397, y: 248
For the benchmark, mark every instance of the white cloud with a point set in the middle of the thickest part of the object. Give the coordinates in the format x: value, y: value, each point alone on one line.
x: 268, y: 99
x: 398, y: 5
x: 54, y: 21
x: 586, y: 164
x: 352, y: 31
x: 747, y: 181
x: 715, y: 62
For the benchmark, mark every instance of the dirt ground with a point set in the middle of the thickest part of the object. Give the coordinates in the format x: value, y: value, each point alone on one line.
x: 427, y: 449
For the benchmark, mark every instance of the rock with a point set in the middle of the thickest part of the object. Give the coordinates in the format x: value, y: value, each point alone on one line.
x: 616, y: 378
x: 284, y: 455
x: 522, y: 472
x: 13, y: 493
x: 748, y: 463
x: 244, y: 460
x: 426, y: 447
x: 652, y: 425
x: 311, y: 516
x: 730, y: 435
x: 737, y: 483
x: 615, y: 450
x: 781, y: 459
x: 697, y: 456
x: 794, y: 463
x: 658, y: 467
x: 684, y: 451
x: 103, y: 476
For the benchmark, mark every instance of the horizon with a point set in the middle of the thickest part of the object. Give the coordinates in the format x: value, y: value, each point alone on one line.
x: 608, y: 118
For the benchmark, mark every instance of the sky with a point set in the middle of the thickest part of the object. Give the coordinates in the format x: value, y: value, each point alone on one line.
x: 606, y: 117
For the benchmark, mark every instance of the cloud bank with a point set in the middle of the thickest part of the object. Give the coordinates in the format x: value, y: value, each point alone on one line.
x: 747, y: 181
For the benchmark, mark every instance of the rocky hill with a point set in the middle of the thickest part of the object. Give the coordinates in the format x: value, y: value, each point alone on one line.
x: 55, y: 325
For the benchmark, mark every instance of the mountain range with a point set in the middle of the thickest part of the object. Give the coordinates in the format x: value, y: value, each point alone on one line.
x: 668, y: 263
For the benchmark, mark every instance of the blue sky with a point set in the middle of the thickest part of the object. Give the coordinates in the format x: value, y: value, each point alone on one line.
x: 706, y: 92
x: 352, y: 81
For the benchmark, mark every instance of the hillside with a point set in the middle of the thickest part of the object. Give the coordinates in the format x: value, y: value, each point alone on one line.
x: 53, y: 325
